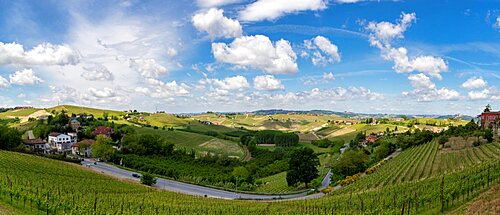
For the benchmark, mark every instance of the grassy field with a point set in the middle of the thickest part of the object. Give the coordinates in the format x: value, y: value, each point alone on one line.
x: 198, y: 142
x: 277, y: 184
x: 18, y: 113
x: 70, y: 109
x: 30, y: 181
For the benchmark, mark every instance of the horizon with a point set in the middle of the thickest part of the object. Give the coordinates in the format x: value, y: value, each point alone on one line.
x: 359, y: 56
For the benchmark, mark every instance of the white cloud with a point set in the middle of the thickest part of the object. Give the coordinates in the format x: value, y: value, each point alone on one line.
x: 428, y: 95
x: 348, y: 1
x: 215, y: 3
x: 267, y: 82
x: 233, y: 83
x: 167, y: 90
x: 421, y: 81
x: 171, y: 52
x: 24, y: 77
x: 216, y: 24
x: 3, y: 82
x: 382, y: 35
x: 477, y: 95
x: 258, y: 52
x: 97, y: 72
x: 497, y: 23
x: 148, y: 68
x: 323, y: 46
x: 328, y: 76
x: 474, y: 83
x: 273, y: 9
x: 42, y: 54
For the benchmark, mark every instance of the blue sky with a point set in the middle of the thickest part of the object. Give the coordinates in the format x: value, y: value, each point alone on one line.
x: 408, y: 57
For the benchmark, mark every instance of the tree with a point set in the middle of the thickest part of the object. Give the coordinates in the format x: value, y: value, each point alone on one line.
x: 240, y: 173
x: 351, y: 162
x: 148, y: 179
x: 9, y: 138
x: 103, y: 148
x: 302, y: 167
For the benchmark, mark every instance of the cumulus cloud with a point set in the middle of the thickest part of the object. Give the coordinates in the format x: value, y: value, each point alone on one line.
x: 258, y: 52
x: 42, y: 54
x: 267, y: 82
x: 328, y: 76
x: 148, y: 68
x: 24, y: 77
x: 477, y: 95
x: 421, y: 81
x: 215, y: 3
x: 171, y: 52
x: 3, y: 82
x: 97, y: 72
x: 474, y: 83
x: 425, y: 90
x: 273, y: 9
x: 324, y: 51
x: 382, y: 35
x: 216, y: 24
x: 167, y: 90
x: 497, y: 23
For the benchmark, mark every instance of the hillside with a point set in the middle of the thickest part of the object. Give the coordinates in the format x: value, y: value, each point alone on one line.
x: 71, y: 109
x: 29, y: 181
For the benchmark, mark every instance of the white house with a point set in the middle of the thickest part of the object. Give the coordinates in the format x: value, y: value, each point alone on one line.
x: 61, y: 143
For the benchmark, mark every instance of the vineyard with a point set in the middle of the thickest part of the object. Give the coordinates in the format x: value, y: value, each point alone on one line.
x: 427, y: 161
x: 46, y: 186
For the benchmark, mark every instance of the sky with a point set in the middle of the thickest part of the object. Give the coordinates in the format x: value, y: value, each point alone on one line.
x: 397, y: 57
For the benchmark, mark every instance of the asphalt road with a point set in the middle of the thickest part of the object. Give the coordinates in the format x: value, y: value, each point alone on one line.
x: 192, y: 189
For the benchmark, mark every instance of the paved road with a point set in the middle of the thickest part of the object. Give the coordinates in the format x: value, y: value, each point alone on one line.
x: 191, y: 189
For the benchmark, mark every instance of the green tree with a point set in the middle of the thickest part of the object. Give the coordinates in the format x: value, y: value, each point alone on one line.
x: 103, y: 148
x: 240, y: 173
x: 9, y: 138
x: 148, y: 179
x: 302, y: 167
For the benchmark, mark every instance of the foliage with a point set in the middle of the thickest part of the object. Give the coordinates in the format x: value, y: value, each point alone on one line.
x: 9, y: 138
x: 147, y: 144
x: 148, y: 179
x: 103, y: 148
x: 302, y: 167
x: 351, y: 162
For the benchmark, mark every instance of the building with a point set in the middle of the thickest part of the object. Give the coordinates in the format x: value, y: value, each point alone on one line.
x: 36, y: 145
x: 61, y: 143
x: 83, y: 148
x: 74, y: 124
x: 489, y: 118
x: 103, y: 130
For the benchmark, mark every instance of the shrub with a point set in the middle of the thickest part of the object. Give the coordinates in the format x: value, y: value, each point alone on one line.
x: 148, y: 179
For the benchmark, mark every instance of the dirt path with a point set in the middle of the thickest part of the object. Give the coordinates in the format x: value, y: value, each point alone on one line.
x: 246, y: 154
x: 35, y: 115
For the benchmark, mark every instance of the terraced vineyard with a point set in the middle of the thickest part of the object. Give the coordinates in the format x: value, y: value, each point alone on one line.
x: 427, y: 161
x: 46, y: 186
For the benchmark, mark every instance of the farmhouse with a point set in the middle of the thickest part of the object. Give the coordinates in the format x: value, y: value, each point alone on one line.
x: 36, y: 145
x: 103, y: 130
x: 206, y: 123
x: 83, y: 148
x: 489, y: 118
x: 61, y: 143
x: 74, y: 124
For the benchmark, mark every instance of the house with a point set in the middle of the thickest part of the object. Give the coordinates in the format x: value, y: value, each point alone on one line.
x: 371, y: 138
x: 103, y: 130
x: 36, y: 145
x: 83, y: 148
x: 61, y: 143
x: 74, y: 124
x: 489, y: 118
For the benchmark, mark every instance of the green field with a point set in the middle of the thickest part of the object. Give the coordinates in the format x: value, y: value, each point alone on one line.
x: 18, y: 113
x: 276, y: 184
x: 200, y: 143
x: 71, y: 109
x: 27, y: 182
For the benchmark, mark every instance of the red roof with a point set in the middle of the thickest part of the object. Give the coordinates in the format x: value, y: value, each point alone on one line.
x: 84, y: 142
x: 54, y: 134
x: 34, y: 141
x: 103, y: 130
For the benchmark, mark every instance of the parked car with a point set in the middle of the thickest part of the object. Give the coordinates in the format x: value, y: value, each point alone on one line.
x: 135, y: 175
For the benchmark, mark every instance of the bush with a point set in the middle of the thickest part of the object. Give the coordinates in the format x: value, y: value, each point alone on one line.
x: 148, y: 179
